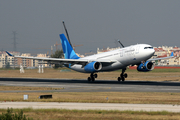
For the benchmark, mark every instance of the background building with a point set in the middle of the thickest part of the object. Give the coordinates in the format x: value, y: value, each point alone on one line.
x: 9, y: 61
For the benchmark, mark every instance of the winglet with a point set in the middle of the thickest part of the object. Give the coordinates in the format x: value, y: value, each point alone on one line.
x: 172, y: 54
x: 9, y: 53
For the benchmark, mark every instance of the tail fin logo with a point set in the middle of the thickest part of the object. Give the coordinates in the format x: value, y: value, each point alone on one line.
x: 67, y: 49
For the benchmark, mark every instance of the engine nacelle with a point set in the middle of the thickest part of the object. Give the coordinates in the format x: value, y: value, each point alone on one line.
x: 93, y: 67
x: 147, y: 66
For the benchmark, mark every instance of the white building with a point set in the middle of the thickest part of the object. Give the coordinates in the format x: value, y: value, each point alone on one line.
x: 5, y: 60
x: 8, y: 60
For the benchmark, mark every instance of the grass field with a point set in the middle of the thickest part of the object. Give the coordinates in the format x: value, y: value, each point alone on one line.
x: 98, y: 97
x: 62, y: 114
x: 155, y: 75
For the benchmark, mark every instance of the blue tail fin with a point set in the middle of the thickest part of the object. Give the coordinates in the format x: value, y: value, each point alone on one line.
x: 67, y: 49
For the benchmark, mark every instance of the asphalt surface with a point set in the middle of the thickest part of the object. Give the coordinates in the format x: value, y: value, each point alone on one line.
x: 90, y: 106
x: 74, y: 85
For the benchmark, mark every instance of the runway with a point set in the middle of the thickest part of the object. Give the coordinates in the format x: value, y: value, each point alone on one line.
x: 75, y: 85
x: 91, y: 106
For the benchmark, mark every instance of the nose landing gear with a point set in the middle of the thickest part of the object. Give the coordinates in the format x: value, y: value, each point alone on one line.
x: 123, y: 75
x: 92, y: 77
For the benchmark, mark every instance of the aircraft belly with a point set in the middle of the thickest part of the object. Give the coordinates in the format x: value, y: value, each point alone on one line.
x: 78, y: 68
x: 112, y: 67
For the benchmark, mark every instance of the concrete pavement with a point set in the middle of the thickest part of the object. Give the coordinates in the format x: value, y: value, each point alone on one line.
x: 91, y: 106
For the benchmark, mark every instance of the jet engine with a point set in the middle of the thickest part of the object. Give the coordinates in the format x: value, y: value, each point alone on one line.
x: 144, y: 67
x: 93, y: 67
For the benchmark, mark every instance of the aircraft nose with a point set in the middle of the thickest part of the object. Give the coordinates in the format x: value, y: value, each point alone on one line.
x: 153, y: 51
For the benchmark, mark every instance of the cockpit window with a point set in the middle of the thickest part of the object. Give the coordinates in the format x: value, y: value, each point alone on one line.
x: 148, y: 47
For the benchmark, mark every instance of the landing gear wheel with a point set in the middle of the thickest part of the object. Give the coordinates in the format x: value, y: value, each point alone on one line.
x: 92, y: 77
x: 123, y: 75
x: 123, y: 79
x: 89, y: 79
x: 119, y: 79
x: 95, y: 75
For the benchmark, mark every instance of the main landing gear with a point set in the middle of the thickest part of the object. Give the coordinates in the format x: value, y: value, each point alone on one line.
x: 122, y: 75
x: 92, y: 77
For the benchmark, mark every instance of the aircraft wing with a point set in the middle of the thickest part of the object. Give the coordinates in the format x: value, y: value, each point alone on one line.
x: 63, y: 61
x: 171, y: 56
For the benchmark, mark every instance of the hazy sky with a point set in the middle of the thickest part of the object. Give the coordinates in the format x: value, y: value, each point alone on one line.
x: 93, y: 23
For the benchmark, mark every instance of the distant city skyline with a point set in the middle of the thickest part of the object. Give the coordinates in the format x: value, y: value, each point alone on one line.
x: 95, y: 23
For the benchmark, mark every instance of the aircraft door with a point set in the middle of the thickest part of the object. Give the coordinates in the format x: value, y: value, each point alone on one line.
x: 137, y: 50
x: 132, y: 51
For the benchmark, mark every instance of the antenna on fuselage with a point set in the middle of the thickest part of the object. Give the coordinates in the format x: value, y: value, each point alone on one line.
x: 67, y: 33
x: 120, y: 43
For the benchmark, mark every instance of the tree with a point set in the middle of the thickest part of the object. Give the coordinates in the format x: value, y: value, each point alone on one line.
x: 57, y: 54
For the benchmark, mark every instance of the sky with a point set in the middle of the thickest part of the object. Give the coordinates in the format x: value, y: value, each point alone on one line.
x: 93, y: 23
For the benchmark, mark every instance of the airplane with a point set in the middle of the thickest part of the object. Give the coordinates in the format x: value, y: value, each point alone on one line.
x: 138, y: 54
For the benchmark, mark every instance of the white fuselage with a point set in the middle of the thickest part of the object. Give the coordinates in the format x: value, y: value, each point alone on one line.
x: 123, y: 57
